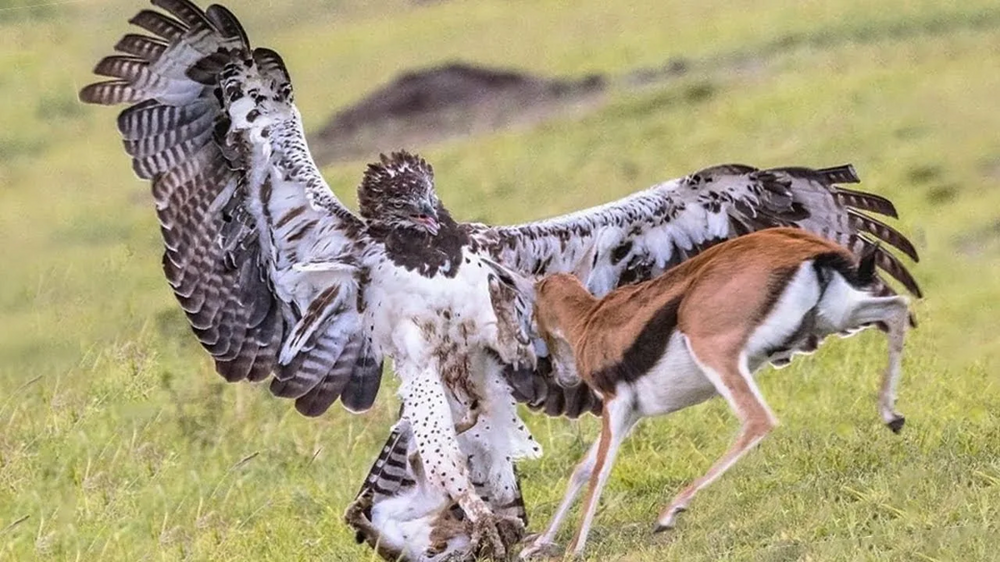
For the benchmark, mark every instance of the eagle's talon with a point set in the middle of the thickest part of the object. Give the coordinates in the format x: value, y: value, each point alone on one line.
x: 355, y: 512
x: 511, y: 530
x: 486, y: 538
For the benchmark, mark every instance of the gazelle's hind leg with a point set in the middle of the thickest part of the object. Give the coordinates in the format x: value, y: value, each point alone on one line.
x: 731, y: 377
x: 844, y: 307
x: 894, y: 312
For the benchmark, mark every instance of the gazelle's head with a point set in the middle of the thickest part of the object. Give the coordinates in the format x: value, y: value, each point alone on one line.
x: 561, y: 301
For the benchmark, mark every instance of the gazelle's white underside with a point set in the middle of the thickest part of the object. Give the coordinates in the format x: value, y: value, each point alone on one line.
x: 677, y: 381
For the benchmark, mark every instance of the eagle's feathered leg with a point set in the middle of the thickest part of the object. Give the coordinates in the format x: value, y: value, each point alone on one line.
x: 426, y: 406
x: 497, y: 483
x: 493, y: 445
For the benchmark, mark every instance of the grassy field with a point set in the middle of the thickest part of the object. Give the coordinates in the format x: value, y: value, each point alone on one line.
x: 118, y: 442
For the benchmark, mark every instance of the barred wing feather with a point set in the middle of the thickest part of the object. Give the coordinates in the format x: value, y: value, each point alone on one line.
x: 260, y: 254
x: 642, y: 235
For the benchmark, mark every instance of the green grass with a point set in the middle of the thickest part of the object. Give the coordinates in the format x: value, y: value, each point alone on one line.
x: 117, y: 441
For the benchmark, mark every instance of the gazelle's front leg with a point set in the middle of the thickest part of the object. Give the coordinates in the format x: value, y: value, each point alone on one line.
x: 544, y: 544
x: 425, y: 406
x: 617, y: 419
x: 729, y: 373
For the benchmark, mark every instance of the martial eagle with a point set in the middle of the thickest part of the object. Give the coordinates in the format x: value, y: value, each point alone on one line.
x: 278, y: 279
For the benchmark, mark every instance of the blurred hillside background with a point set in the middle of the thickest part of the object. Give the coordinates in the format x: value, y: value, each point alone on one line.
x: 118, y: 441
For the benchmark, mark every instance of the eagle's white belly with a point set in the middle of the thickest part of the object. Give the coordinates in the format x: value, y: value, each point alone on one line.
x: 410, y: 315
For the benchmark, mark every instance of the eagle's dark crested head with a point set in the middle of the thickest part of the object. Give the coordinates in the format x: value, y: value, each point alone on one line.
x: 398, y: 192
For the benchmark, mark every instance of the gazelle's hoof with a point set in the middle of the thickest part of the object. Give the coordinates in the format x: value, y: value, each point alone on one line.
x: 530, y: 538
x: 539, y: 550
x: 896, y: 425
x: 670, y: 521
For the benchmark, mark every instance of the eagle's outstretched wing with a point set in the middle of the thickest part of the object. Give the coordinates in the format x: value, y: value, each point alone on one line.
x: 259, y: 252
x: 643, y: 235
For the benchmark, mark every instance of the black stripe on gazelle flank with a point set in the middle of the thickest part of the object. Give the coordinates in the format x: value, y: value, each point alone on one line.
x: 645, y: 351
x: 777, y: 282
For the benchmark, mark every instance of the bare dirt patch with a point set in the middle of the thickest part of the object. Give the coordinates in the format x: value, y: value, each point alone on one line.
x: 434, y: 104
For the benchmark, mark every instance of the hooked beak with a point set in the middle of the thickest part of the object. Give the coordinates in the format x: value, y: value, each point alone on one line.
x: 428, y: 219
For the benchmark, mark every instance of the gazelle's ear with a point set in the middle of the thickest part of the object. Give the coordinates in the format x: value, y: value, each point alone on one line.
x: 585, y: 266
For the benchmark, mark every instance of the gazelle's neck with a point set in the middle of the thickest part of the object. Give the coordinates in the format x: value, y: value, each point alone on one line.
x: 566, y: 304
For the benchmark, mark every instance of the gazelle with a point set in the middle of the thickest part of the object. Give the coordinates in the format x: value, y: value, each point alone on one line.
x: 702, y: 329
